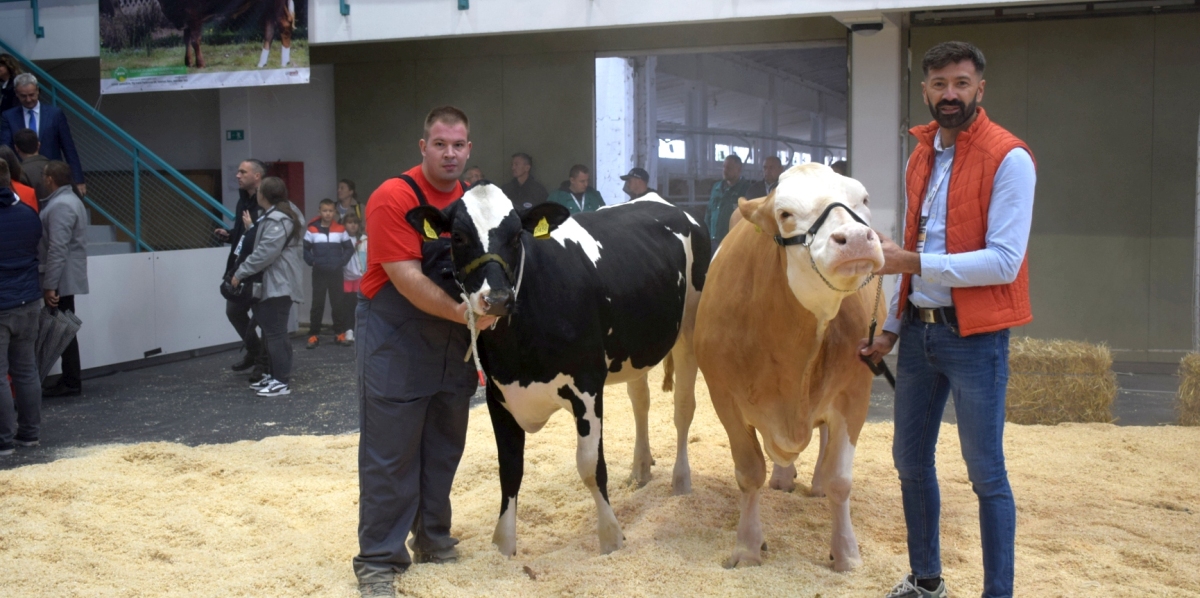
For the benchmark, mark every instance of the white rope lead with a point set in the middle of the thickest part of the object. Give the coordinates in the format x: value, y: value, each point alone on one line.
x: 473, y: 350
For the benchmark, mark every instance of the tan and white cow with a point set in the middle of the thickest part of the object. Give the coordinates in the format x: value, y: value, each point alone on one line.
x: 776, y: 335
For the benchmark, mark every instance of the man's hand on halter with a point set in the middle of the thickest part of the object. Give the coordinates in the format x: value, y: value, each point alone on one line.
x: 481, y: 322
x: 896, y: 260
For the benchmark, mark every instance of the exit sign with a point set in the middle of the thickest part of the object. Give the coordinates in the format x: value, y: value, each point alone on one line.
x: 235, y: 135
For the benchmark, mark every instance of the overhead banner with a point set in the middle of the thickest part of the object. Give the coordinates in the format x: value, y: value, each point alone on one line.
x: 164, y: 45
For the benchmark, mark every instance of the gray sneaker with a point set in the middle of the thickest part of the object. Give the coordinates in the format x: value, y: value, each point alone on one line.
x: 441, y: 557
x: 908, y: 588
x: 378, y: 589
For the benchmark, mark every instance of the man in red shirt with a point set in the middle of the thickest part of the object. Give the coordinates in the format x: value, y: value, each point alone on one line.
x: 414, y: 386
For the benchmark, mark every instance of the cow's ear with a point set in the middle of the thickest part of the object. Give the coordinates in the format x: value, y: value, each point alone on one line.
x: 543, y: 218
x: 429, y: 221
x: 760, y: 212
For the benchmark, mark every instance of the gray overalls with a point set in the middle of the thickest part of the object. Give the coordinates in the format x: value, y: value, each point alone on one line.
x: 414, y: 396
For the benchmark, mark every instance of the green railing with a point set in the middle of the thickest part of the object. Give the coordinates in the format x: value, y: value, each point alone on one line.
x: 139, y: 193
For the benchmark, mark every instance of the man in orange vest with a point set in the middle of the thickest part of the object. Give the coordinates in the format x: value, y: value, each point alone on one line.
x: 970, y: 187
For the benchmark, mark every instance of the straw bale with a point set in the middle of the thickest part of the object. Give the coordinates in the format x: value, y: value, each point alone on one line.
x: 1188, y: 405
x: 1102, y: 510
x: 1056, y: 381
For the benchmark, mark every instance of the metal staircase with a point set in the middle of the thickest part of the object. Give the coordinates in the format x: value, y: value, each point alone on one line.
x: 151, y: 206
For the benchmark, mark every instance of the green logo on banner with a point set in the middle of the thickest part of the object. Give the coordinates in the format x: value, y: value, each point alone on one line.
x: 120, y: 74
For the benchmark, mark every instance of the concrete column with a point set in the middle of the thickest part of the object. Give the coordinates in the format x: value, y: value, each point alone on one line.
x: 876, y: 126
x: 614, y: 126
x: 646, y: 84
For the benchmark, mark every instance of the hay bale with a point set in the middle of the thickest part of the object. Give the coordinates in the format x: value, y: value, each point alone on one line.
x: 1188, y: 405
x: 1055, y: 381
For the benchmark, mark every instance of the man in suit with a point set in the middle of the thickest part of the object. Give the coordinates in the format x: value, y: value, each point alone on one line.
x: 63, y: 259
x: 50, y: 124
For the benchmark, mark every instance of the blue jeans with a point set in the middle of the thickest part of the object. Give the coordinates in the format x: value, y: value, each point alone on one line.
x: 934, y: 360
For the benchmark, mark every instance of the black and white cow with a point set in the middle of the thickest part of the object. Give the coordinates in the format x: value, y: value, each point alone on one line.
x: 594, y: 299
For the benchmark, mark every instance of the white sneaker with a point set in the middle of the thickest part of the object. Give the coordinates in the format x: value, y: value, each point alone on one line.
x: 350, y: 335
x: 275, y: 389
x: 262, y: 383
x: 908, y: 588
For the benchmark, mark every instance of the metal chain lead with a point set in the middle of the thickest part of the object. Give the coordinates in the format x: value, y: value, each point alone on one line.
x: 829, y: 284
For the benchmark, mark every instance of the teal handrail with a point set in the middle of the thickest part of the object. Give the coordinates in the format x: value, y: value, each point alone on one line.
x: 90, y: 112
x: 38, y: 31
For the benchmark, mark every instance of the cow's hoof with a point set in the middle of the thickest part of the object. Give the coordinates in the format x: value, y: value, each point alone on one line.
x: 640, y: 476
x: 817, y: 490
x: 611, y: 538
x: 783, y: 478
x: 681, y: 485
x: 743, y: 558
x: 784, y: 485
x: 847, y: 563
x: 505, y: 538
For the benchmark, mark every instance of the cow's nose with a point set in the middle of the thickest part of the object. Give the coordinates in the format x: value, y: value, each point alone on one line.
x: 838, y: 238
x: 497, y: 298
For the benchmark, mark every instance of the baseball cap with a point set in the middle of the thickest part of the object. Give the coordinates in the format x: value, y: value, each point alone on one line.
x: 639, y: 173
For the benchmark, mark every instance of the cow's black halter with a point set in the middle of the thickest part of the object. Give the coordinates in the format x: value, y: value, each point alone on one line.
x: 805, y: 240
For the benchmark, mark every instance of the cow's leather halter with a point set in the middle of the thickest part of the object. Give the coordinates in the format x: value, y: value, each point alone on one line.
x: 473, y: 350
x: 805, y: 240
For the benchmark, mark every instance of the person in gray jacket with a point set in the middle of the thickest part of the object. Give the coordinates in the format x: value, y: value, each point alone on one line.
x: 278, y: 255
x: 63, y: 262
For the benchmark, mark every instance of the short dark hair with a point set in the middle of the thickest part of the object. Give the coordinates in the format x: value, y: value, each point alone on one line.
x: 59, y: 172
x: 447, y: 115
x: 258, y: 164
x: 26, y: 141
x: 947, y: 53
x: 351, y: 217
x: 349, y: 185
x: 326, y: 202
x: 5, y: 178
x: 578, y: 168
x: 734, y: 157
x: 524, y: 156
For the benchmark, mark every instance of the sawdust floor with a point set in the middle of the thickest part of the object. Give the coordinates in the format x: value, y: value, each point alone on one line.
x: 1102, y: 510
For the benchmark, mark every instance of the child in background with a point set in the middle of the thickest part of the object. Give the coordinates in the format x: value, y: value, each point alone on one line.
x: 353, y: 272
x: 327, y: 248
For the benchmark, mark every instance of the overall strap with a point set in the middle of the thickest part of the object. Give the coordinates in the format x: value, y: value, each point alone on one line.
x: 415, y: 188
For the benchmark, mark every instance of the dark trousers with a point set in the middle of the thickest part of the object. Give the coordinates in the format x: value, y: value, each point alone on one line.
x: 70, y: 357
x: 272, y: 314
x: 18, y: 334
x: 327, y: 282
x: 239, y: 317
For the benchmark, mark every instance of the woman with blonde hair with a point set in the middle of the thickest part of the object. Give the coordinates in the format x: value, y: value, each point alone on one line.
x: 9, y: 69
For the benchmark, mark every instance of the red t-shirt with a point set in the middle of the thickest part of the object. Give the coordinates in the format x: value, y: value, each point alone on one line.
x: 393, y: 239
x: 25, y: 192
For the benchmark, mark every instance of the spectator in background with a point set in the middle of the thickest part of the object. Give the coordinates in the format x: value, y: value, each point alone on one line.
x: 576, y: 194
x: 352, y: 273
x: 524, y: 190
x: 63, y: 258
x: 32, y: 162
x: 327, y: 248
x: 473, y: 175
x: 347, y: 200
x: 841, y: 167
x: 9, y: 69
x: 772, y: 168
x: 723, y: 199
x: 19, y: 182
x: 50, y: 124
x: 249, y: 176
x: 20, y: 307
x: 277, y: 254
x: 637, y: 183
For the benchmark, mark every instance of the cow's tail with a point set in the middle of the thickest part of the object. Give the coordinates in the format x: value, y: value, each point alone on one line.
x: 669, y: 373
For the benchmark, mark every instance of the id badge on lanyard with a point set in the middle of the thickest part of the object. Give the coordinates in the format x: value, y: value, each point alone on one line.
x: 943, y: 174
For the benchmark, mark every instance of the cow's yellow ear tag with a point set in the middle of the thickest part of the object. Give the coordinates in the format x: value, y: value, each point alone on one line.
x: 429, y: 232
x: 542, y: 230
x: 757, y: 228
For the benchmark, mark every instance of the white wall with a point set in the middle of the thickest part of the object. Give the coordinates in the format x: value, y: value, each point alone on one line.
x: 292, y: 123
x: 615, y: 114
x: 140, y: 302
x: 72, y: 29
x: 412, y: 19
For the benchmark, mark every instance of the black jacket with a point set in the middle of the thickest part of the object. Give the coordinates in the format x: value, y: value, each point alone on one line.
x: 245, y: 202
x: 20, y: 232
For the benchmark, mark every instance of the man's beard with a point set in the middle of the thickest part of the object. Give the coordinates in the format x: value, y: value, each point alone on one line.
x: 952, y: 121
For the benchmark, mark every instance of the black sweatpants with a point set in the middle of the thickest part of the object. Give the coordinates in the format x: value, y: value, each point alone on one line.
x: 327, y: 282
x: 272, y: 314
x: 239, y: 316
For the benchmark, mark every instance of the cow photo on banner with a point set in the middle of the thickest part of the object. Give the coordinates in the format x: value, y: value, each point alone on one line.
x: 162, y: 45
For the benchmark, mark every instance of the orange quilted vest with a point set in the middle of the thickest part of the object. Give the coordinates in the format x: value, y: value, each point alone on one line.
x: 978, y: 154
